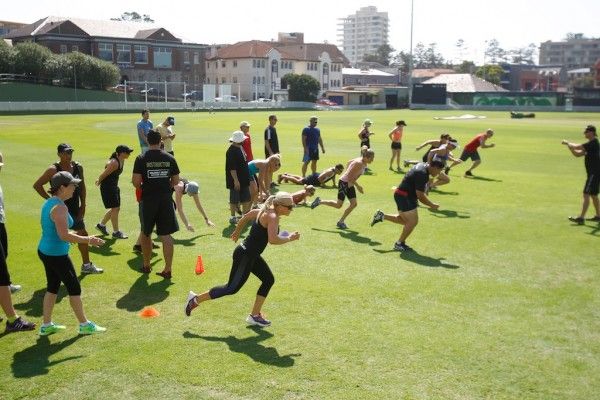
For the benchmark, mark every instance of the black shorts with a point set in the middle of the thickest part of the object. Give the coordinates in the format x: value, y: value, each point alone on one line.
x: 472, y: 155
x: 158, y: 210
x: 396, y: 146
x: 4, y: 275
x: 241, y: 196
x: 426, y: 156
x: 312, y: 179
x: 592, y: 184
x: 313, y: 155
x: 365, y: 143
x: 405, y: 203
x: 344, y: 190
x: 111, y: 196
x: 78, y: 224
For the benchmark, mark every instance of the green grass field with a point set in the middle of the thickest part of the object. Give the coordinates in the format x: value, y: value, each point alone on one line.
x: 500, y: 300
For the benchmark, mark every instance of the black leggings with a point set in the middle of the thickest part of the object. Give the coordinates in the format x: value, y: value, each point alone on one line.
x: 60, y: 269
x: 243, y: 265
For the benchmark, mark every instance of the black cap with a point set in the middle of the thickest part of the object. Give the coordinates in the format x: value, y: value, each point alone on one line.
x: 590, y: 128
x: 122, y: 148
x: 171, y: 120
x: 64, y: 147
x: 402, y: 123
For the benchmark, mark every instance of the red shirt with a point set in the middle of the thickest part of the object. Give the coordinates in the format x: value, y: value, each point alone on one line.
x: 475, y: 143
x: 247, y: 146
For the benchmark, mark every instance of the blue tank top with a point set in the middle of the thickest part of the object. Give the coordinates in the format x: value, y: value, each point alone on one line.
x: 252, y: 168
x: 257, y: 239
x: 50, y: 243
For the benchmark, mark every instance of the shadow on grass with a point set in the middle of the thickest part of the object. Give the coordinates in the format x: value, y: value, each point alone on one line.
x: 443, y: 193
x: 136, y: 262
x: 106, y: 248
x: 420, y: 259
x: 33, y: 306
x: 351, y: 235
x: 449, y: 214
x: 228, y: 230
x: 35, y: 360
x: 251, y: 347
x: 142, y: 293
x: 483, y: 178
x: 189, y: 242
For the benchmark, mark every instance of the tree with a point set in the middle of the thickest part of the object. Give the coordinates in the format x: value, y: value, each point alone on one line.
x: 491, y: 73
x: 523, y: 55
x: 302, y: 87
x: 461, y: 49
x: 433, y: 58
x: 30, y: 58
x: 494, y: 53
x: 466, y: 67
x: 134, y: 17
x: 383, y: 55
x: 6, y: 57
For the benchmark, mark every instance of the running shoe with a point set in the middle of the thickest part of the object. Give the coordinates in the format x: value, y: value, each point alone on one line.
x: 406, y: 164
x: 91, y: 268
x: 257, y: 320
x: 191, y: 303
x: 164, y: 274
x: 594, y: 219
x: 102, y: 228
x: 138, y: 247
x: 14, y: 288
x: 119, y: 235
x: 50, y: 329
x: 90, y: 328
x: 315, y: 203
x: 468, y: 173
x: 19, y: 324
x: 446, y: 170
x: 577, y: 220
x: 402, y: 247
x: 378, y: 217
x: 341, y: 225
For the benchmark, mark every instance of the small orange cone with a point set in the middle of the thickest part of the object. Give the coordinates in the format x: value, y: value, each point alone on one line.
x: 149, y: 312
x: 199, y: 265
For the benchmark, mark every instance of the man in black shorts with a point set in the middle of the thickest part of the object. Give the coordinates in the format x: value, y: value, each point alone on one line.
x: 591, y: 151
x: 76, y: 204
x: 411, y: 189
x: 237, y: 176
x: 156, y: 173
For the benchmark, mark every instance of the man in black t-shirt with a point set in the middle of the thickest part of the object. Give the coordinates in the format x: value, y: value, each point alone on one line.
x: 591, y: 151
x: 156, y: 173
x: 237, y: 176
x: 411, y: 189
x: 271, y: 140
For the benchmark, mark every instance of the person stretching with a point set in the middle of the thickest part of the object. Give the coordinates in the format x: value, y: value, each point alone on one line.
x: 316, y: 179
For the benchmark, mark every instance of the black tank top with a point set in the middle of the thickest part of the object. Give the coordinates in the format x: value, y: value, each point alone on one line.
x: 257, y: 240
x: 112, y: 180
x: 72, y: 203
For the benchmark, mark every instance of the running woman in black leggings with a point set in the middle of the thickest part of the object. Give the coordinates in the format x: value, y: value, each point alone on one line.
x: 247, y: 257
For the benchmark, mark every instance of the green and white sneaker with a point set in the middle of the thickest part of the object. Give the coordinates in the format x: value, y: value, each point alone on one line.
x: 90, y: 328
x: 50, y: 329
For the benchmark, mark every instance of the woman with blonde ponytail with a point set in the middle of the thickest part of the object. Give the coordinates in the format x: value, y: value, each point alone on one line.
x: 247, y: 257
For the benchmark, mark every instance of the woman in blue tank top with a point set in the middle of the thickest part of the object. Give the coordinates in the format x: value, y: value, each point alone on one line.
x: 247, y: 256
x: 53, y: 250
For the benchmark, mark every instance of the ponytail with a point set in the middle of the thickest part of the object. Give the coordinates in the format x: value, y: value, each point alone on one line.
x: 114, y: 155
x: 266, y: 205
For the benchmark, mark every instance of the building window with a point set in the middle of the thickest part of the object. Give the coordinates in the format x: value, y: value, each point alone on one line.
x: 196, y: 57
x: 162, y: 57
x: 141, y: 54
x: 74, y: 48
x: 234, y: 63
x: 262, y: 63
x: 254, y: 80
x: 123, y: 53
x: 224, y: 64
x: 253, y: 63
x: 274, y: 67
x: 186, y: 57
x: 235, y: 79
x: 105, y: 51
x: 63, y: 48
x: 223, y: 80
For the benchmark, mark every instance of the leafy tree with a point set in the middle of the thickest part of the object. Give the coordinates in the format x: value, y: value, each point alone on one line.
x: 30, y: 58
x: 494, y: 53
x: 523, y: 55
x: 302, y: 87
x: 6, y: 57
x: 134, y: 17
x: 490, y: 72
x: 433, y: 58
x: 383, y: 55
x: 466, y: 67
x: 461, y: 49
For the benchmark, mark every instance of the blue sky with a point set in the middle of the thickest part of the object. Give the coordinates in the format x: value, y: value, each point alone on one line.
x: 513, y: 23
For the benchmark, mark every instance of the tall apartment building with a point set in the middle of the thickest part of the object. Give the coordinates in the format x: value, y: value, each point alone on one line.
x: 574, y: 53
x: 363, y: 33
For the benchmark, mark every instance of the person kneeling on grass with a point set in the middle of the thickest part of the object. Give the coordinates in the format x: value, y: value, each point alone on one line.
x: 316, y: 179
x: 53, y: 250
x: 247, y: 256
x: 191, y: 188
x: 356, y: 167
x: 410, y: 189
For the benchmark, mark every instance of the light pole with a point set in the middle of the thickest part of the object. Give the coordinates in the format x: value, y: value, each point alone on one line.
x: 410, y: 62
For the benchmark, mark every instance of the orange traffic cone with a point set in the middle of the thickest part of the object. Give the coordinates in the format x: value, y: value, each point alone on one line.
x: 149, y: 312
x: 199, y: 265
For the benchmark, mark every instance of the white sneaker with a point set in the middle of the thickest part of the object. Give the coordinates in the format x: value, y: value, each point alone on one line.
x: 90, y: 268
x: 14, y: 288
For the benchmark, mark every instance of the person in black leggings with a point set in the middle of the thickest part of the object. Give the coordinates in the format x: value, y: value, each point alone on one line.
x: 247, y: 257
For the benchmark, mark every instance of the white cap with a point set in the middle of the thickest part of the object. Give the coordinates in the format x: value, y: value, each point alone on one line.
x: 237, y: 137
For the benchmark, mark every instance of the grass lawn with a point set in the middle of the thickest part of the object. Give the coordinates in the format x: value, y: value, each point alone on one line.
x: 500, y: 300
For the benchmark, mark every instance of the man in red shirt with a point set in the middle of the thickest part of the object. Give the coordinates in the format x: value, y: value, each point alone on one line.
x: 247, y: 144
x: 470, y: 150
